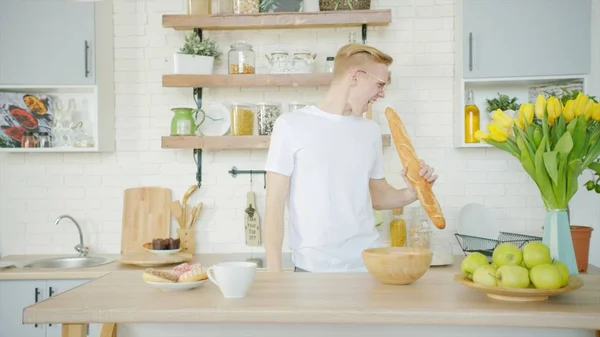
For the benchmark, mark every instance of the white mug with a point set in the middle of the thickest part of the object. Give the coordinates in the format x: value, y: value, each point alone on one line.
x: 232, y: 278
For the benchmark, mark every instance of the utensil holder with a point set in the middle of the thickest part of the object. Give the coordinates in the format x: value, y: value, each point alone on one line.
x: 188, y: 240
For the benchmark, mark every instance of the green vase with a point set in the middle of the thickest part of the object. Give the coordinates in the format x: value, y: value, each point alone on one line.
x: 182, y: 123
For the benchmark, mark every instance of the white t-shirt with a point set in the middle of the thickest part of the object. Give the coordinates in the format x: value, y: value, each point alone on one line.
x: 330, y: 159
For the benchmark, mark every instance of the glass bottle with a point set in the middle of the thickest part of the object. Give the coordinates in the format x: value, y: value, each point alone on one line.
x: 44, y: 140
x: 398, y: 228
x: 241, y: 58
x: 420, y: 231
x: 182, y: 123
x: 471, y: 119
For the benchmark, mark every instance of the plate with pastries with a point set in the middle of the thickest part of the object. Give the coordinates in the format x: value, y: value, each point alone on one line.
x: 166, y: 246
x: 184, y: 276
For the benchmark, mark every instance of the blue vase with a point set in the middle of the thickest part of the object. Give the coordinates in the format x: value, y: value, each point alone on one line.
x: 557, y: 236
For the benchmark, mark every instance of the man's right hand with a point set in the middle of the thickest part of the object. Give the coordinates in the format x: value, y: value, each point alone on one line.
x: 278, y: 186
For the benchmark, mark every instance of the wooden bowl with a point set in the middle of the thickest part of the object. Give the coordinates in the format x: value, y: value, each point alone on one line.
x: 397, y: 265
x: 520, y: 295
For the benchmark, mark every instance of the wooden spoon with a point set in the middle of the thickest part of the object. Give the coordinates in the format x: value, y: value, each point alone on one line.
x: 176, y: 211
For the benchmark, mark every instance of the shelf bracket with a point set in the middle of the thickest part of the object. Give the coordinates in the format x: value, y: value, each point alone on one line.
x: 198, y: 160
x: 364, y: 33
x: 198, y: 91
x: 234, y: 172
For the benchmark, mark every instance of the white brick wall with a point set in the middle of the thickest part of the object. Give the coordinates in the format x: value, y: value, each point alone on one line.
x: 36, y: 188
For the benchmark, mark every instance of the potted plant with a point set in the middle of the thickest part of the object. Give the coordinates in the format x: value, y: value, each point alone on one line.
x: 340, y: 5
x: 503, y: 102
x: 196, y: 56
x: 555, y: 143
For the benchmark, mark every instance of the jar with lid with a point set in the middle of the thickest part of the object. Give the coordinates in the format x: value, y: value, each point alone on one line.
x: 242, y: 119
x: 329, y: 64
x: 303, y: 62
x: 420, y: 231
x: 278, y: 62
x: 267, y: 113
x: 28, y: 139
x: 293, y: 106
x: 246, y: 6
x: 43, y: 140
x: 398, y: 228
x: 241, y: 58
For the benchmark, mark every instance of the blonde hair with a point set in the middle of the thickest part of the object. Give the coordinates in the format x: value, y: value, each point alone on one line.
x: 356, y: 55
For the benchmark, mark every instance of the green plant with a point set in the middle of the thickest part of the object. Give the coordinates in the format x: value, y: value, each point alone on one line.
x: 567, y: 95
x: 594, y: 183
x: 193, y: 45
x: 503, y: 102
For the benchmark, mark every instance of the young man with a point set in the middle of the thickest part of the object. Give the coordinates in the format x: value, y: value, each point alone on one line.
x: 326, y: 162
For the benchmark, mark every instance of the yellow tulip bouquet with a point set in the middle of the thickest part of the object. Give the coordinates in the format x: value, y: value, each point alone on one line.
x: 555, y: 141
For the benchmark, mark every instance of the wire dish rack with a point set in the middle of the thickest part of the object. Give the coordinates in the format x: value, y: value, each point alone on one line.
x: 471, y: 244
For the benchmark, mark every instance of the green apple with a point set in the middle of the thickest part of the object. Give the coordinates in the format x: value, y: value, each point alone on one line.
x: 507, y: 254
x: 512, y: 276
x: 535, y: 253
x: 564, y: 272
x: 485, y: 275
x: 472, y: 261
x: 546, y: 276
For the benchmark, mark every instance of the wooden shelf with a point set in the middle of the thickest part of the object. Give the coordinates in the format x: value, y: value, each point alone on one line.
x: 281, y: 20
x: 227, y: 142
x: 249, y: 80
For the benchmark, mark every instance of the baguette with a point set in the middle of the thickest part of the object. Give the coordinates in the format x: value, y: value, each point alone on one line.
x: 409, y: 159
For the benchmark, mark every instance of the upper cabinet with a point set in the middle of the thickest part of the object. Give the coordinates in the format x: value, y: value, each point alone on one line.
x: 47, y: 42
x: 510, y: 38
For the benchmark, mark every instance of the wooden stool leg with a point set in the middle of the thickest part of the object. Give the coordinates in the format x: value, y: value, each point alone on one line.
x: 74, y: 330
x: 108, y: 330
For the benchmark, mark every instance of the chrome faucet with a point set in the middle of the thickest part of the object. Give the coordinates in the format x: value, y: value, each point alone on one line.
x: 80, y: 248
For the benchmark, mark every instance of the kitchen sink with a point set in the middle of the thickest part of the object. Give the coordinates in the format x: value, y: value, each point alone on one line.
x: 68, y: 262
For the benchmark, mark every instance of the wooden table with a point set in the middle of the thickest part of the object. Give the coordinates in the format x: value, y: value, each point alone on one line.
x: 311, y: 299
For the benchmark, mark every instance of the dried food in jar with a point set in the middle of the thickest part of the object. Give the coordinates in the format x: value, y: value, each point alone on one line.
x: 242, y: 120
x: 244, y: 69
x: 267, y: 114
x: 246, y: 6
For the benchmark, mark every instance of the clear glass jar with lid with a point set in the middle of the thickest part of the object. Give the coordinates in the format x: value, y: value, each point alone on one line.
x: 246, y: 6
x: 420, y: 231
x: 242, y: 119
x: 267, y: 113
x: 241, y: 58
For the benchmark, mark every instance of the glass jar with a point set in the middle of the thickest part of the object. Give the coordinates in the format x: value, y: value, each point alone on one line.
x: 329, y: 64
x: 303, y: 62
x: 182, y: 123
x: 241, y: 58
x: 242, y: 119
x: 471, y: 119
x: 293, y: 106
x: 28, y: 139
x: 420, y: 231
x: 245, y: 6
x: 43, y: 140
x: 398, y: 228
x: 278, y: 62
x: 267, y: 113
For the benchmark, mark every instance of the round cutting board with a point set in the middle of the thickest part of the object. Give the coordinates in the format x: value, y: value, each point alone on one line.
x: 146, y: 259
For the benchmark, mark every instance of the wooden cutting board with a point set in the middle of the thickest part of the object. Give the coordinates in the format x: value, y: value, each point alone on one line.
x: 146, y: 216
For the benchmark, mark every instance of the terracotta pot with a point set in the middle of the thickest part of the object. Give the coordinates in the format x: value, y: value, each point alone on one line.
x: 581, y: 236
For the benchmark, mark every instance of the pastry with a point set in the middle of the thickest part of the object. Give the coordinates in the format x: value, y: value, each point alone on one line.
x: 163, y: 244
x: 186, y: 272
x: 153, y: 275
x: 409, y: 159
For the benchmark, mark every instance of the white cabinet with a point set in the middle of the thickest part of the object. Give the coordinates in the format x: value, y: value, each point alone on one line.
x: 15, y: 295
x: 47, y: 42
x: 532, y: 38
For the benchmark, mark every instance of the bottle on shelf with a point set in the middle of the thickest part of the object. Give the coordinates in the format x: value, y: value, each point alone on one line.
x: 398, y: 231
x: 471, y: 119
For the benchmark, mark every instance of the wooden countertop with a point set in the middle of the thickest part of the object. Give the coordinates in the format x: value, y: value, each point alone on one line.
x: 17, y: 273
x: 342, y: 298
